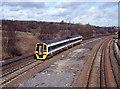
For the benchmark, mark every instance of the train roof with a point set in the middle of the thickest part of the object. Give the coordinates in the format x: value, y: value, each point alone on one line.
x: 60, y: 39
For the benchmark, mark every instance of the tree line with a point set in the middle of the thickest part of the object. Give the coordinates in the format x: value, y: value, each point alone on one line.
x: 51, y: 30
x: 46, y: 31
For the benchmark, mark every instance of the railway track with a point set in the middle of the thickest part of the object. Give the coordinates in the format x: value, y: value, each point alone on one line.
x: 118, y: 45
x: 102, y: 68
x: 116, y: 52
x: 15, y: 71
x: 104, y: 72
x: 97, y: 76
x: 115, y: 63
x: 11, y: 65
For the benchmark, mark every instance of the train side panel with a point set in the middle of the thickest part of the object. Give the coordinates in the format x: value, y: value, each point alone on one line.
x: 47, y: 48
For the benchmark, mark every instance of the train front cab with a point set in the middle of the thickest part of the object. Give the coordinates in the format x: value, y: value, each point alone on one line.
x: 41, y: 51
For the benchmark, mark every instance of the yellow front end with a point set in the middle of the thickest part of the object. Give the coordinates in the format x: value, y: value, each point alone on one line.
x: 41, y: 51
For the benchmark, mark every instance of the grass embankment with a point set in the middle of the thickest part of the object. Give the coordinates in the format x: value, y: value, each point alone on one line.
x: 24, y: 43
x: 18, y: 33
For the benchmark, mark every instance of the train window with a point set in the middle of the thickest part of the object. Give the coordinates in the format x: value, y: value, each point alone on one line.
x: 37, y: 48
x: 40, y: 49
x: 45, y: 49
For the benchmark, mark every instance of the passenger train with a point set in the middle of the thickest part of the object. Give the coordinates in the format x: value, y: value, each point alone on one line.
x: 51, y: 47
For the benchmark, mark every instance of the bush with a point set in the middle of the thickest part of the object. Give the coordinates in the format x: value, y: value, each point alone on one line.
x: 9, y: 41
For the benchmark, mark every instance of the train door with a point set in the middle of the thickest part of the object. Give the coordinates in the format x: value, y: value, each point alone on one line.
x: 40, y: 49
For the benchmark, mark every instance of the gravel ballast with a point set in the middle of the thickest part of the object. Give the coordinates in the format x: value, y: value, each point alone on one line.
x: 62, y: 72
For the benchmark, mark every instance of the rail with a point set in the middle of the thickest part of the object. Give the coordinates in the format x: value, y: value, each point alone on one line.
x: 115, y: 54
x: 100, y: 70
x: 118, y: 45
x: 113, y: 70
x: 15, y: 73
x: 26, y: 67
x: 16, y: 59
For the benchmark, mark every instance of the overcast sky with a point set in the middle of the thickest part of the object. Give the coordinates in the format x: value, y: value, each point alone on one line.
x: 94, y: 13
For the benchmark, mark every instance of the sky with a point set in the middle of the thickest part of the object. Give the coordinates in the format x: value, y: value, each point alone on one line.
x: 94, y: 13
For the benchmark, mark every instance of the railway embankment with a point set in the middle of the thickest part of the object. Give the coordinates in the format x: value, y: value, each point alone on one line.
x: 63, y: 72
x: 67, y: 69
x: 15, y: 72
x: 118, y: 44
x: 117, y: 50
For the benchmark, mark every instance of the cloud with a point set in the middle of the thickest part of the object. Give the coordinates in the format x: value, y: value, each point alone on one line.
x: 61, y: 1
x: 21, y: 14
x: 26, y: 4
x: 68, y: 4
x: 108, y: 4
x: 22, y: 10
x: 22, y: 1
x: 96, y: 13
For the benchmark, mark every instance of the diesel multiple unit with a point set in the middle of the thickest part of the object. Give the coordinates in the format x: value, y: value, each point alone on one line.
x: 51, y: 47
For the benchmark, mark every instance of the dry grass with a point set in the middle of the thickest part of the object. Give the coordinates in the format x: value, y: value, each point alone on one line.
x: 25, y: 44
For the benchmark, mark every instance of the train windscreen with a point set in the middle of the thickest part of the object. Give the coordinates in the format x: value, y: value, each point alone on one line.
x: 45, y: 49
x: 40, y: 49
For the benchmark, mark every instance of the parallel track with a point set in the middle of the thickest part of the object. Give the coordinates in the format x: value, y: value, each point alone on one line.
x: 98, y: 80
x: 11, y: 76
x: 93, y: 79
x: 99, y: 65
x: 90, y: 75
x: 115, y: 53
x: 103, y: 81
x: 113, y: 69
x: 101, y: 70
x: 13, y: 69
x: 13, y: 66
x: 10, y: 71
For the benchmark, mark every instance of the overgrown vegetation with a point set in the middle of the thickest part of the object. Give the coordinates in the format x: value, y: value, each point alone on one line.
x: 9, y: 42
x: 51, y: 30
x: 45, y: 31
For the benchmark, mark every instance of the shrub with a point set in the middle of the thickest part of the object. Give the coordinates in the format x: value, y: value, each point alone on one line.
x: 9, y: 41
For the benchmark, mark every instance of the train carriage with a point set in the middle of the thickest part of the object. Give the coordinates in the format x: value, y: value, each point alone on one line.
x: 49, y: 47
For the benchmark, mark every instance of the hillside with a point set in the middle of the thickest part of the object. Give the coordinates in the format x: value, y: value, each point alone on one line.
x: 57, y: 29
x: 19, y: 37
